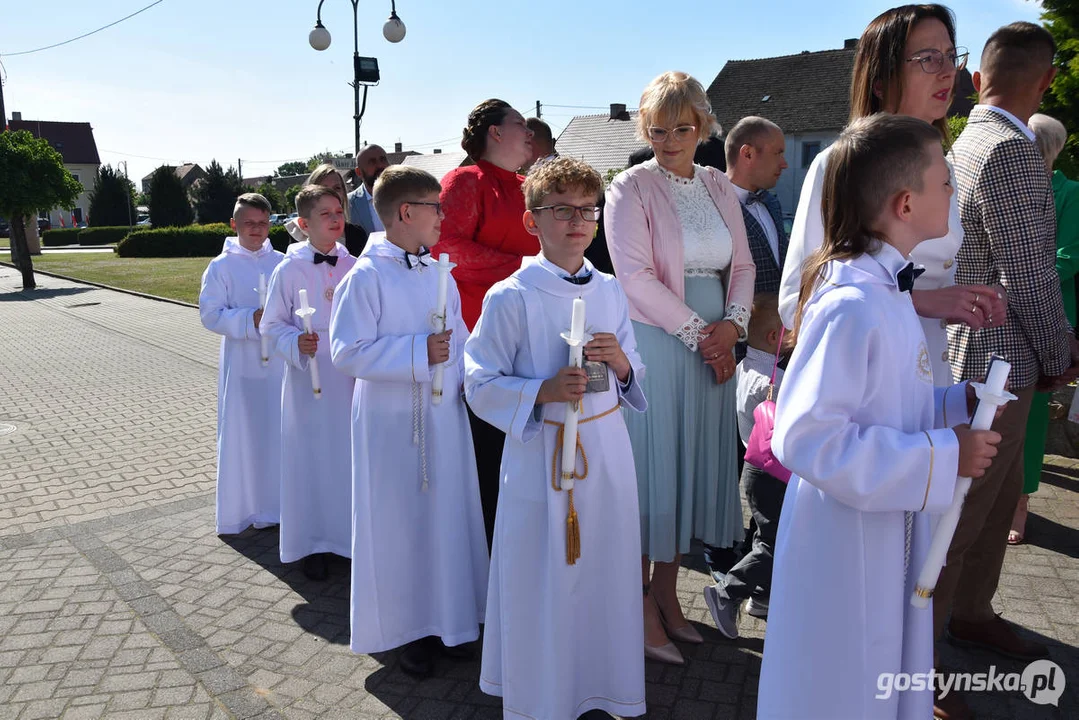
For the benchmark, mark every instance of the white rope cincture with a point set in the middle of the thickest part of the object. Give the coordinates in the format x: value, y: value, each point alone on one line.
x: 419, y: 431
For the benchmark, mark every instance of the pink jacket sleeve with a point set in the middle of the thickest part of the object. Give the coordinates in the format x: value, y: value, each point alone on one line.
x: 629, y: 232
x: 742, y: 275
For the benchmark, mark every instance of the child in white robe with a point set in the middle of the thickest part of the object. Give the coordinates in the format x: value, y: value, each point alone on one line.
x: 314, y: 451
x: 562, y: 637
x: 248, y: 391
x: 419, y: 563
x: 866, y: 436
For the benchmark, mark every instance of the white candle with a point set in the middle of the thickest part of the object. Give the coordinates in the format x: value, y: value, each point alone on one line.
x: 991, y: 395
x: 444, y: 267
x: 265, y: 341
x: 576, y: 341
x: 305, y: 312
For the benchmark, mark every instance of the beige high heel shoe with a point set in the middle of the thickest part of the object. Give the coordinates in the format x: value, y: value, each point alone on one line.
x: 687, y: 633
x: 667, y: 653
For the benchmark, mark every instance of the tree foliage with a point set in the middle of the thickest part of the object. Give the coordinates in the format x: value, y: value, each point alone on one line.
x: 169, y: 205
x: 32, y: 179
x: 268, y: 191
x: 323, y: 157
x: 290, y: 197
x: 1061, y: 18
x: 296, y: 167
x: 215, y: 194
x: 112, y: 201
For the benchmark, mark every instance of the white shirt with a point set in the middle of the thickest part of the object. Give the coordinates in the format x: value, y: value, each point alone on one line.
x: 376, y: 221
x: 752, y: 376
x: 1011, y: 118
x: 761, y: 215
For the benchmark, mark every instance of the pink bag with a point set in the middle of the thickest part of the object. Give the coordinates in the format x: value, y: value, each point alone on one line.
x: 759, y: 450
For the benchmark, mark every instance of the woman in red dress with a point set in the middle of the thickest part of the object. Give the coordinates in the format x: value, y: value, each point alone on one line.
x: 483, y: 232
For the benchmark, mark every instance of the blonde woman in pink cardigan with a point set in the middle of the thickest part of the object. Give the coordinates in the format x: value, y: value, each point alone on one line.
x: 679, y: 248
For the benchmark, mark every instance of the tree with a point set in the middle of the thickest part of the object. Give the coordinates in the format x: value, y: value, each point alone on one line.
x: 290, y: 197
x: 268, y: 191
x: 1061, y: 19
x: 296, y: 167
x: 323, y: 157
x: 32, y: 179
x: 216, y: 194
x: 168, y: 199
x: 112, y: 201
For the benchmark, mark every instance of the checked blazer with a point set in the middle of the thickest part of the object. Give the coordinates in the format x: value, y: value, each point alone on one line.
x: 1009, y: 225
x: 769, y: 273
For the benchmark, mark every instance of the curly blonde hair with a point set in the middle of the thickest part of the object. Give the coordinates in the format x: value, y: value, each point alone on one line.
x: 560, y: 175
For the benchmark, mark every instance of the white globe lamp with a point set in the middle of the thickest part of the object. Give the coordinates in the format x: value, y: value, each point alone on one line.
x: 320, y: 37
x: 394, y: 29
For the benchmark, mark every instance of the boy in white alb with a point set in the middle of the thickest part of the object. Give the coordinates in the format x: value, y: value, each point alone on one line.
x: 563, y: 636
x: 248, y: 391
x: 872, y: 445
x: 315, y: 455
x: 419, y: 563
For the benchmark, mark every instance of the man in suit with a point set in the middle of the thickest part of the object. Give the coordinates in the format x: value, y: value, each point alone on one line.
x: 370, y: 162
x: 1009, y: 226
x: 754, y: 150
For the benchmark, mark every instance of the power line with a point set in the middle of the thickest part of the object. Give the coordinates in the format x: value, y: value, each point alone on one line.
x: 84, y: 35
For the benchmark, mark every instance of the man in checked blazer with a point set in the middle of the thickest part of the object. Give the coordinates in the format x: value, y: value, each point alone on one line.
x: 1009, y: 225
x: 754, y: 150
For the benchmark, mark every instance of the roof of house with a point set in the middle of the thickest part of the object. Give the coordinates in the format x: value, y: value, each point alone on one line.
x: 396, y: 158
x: 74, y: 141
x: 438, y: 164
x: 188, y: 172
x: 603, y: 143
x: 807, y: 92
x: 801, y: 93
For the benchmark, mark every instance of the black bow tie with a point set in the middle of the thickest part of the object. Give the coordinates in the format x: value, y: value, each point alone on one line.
x: 418, y: 259
x: 756, y: 197
x: 331, y: 259
x: 580, y: 279
x: 905, y: 278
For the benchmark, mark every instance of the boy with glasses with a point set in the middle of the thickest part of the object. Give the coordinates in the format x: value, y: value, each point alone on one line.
x: 564, y: 632
x: 419, y: 569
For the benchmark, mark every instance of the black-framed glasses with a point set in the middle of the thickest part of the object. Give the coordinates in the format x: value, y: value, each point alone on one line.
x: 680, y: 133
x: 932, y: 60
x: 588, y: 213
x: 436, y: 205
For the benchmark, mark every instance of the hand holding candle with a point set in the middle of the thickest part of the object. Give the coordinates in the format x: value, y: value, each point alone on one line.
x: 576, y: 339
x: 264, y: 341
x: 444, y: 267
x: 305, y: 312
x: 991, y: 395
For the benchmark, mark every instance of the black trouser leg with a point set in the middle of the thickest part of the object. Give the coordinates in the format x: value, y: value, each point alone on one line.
x: 488, y: 442
x: 765, y: 496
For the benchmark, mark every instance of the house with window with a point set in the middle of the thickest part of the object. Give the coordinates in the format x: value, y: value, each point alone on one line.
x: 75, y: 143
x: 603, y: 141
x: 808, y: 96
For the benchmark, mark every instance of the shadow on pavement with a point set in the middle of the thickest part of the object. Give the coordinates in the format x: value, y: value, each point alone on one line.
x: 41, y: 293
x: 325, y: 609
x: 1044, y: 533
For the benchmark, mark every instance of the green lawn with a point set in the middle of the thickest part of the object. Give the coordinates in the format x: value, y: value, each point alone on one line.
x: 175, y: 278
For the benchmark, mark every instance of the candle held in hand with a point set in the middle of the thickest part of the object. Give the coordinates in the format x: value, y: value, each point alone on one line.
x: 305, y: 312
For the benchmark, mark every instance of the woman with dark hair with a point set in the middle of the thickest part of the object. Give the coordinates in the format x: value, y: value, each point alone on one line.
x: 483, y: 231
x: 906, y: 64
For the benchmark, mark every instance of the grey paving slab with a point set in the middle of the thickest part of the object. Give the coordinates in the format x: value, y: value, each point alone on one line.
x: 118, y: 600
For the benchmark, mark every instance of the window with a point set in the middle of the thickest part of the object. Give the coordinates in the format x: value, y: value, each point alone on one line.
x: 78, y: 216
x: 810, y: 150
x: 76, y: 176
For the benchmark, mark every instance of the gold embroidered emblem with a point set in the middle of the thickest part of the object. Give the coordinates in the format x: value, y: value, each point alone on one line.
x: 328, y: 294
x: 925, y: 369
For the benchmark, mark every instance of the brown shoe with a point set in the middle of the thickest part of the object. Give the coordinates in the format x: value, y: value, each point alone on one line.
x: 996, y: 635
x: 951, y: 707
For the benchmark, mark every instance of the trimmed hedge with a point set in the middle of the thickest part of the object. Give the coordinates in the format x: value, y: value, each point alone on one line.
x: 60, y: 236
x: 103, y: 235
x: 190, y: 241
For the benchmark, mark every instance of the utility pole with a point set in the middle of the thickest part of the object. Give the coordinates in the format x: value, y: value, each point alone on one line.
x: 3, y: 112
x: 240, y: 169
x: 127, y: 195
x: 539, y: 113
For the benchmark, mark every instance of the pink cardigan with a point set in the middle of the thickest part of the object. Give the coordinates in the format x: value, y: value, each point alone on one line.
x: 644, y: 236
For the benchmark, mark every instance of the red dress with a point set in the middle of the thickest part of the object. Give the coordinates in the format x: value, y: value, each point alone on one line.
x: 483, y: 230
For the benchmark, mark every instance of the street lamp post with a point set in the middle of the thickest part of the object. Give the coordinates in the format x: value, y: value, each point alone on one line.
x: 364, y: 69
x: 127, y: 192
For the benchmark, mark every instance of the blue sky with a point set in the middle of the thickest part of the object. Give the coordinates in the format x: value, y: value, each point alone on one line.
x: 192, y: 80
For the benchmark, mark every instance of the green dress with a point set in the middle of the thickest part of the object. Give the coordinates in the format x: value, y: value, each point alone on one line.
x: 1066, y: 197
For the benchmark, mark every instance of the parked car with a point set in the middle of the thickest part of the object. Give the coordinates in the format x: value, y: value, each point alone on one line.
x: 5, y: 228
x: 278, y: 219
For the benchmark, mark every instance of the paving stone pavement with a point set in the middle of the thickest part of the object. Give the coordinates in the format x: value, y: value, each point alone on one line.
x: 118, y: 600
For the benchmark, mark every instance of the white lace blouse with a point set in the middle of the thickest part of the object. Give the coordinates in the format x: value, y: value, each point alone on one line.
x: 707, y: 245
